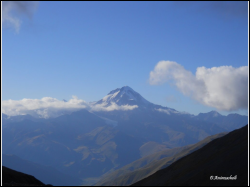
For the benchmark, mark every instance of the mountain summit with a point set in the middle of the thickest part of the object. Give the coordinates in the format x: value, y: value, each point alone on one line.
x: 124, y: 96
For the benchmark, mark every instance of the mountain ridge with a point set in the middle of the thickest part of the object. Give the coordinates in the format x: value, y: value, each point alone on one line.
x: 88, y: 144
x: 147, y: 165
x: 223, y: 157
x: 124, y: 96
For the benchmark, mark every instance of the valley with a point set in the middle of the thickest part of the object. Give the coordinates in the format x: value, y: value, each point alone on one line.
x: 94, y: 144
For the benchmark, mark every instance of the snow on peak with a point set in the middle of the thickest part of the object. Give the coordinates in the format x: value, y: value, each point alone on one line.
x: 123, y: 96
x: 129, y: 92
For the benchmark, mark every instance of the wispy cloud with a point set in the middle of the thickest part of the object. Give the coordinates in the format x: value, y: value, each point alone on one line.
x: 163, y: 110
x: 224, y: 87
x: 13, y: 11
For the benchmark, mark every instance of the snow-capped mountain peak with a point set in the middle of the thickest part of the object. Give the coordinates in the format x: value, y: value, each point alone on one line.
x: 123, y: 96
x: 126, y: 96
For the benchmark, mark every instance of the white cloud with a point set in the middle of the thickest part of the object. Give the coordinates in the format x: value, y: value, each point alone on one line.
x: 12, y: 11
x: 113, y: 106
x: 224, y: 87
x: 163, y: 110
x: 48, y: 107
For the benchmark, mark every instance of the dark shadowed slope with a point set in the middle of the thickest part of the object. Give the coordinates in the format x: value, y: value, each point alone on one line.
x: 224, y: 157
x: 14, y: 178
x: 46, y: 174
x: 148, y: 165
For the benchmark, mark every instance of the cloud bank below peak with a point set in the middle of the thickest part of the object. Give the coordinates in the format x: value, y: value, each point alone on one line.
x: 224, y: 87
x: 111, y: 107
x: 49, y: 107
x: 46, y: 107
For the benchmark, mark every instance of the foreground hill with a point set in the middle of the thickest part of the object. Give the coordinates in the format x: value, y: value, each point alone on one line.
x: 46, y: 174
x: 224, y: 157
x: 148, y: 165
x: 14, y: 178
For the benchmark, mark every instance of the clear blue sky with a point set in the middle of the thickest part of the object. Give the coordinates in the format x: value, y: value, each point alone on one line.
x: 88, y: 49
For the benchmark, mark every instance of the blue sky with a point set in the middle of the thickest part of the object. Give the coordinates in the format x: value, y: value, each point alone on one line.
x: 88, y: 49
